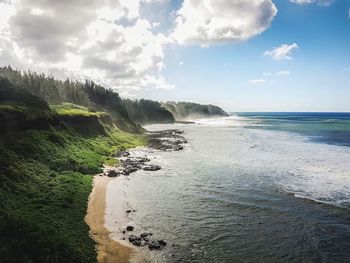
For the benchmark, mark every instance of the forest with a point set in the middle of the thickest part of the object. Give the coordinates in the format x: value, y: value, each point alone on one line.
x: 127, y: 114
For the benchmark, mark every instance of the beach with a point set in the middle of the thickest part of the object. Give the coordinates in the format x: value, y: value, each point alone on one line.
x: 108, y: 250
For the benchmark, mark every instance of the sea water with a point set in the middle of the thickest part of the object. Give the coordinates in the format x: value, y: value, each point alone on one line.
x: 247, y: 188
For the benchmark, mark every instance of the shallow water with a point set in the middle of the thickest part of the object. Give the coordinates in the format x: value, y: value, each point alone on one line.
x: 237, y: 194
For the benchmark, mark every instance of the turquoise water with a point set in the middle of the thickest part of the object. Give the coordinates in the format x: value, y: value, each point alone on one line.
x: 331, y: 128
x: 248, y: 188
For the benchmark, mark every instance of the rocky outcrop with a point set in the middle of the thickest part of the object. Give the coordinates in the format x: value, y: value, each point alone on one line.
x: 167, y: 140
x: 145, y: 240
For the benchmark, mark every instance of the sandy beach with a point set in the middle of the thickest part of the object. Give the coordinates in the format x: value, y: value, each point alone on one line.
x: 108, y: 250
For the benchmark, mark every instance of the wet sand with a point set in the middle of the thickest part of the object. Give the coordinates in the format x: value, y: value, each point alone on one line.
x: 108, y: 250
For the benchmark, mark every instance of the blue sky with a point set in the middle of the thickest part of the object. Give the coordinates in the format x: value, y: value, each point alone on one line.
x: 319, y: 78
x: 256, y: 55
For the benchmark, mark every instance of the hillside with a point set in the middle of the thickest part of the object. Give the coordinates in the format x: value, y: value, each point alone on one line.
x: 188, y: 110
x: 46, y: 158
x: 86, y: 94
x: 147, y: 111
x: 125, y: 114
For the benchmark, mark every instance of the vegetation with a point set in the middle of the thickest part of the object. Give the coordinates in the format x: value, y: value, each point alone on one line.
x: 86, y: 94
x: 45, y: 180
x: 47, y: 154
x: 73, y: 109
x: 187, y: 110
x: 147, y: 111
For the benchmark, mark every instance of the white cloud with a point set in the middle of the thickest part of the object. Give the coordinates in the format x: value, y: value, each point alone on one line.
x: 302, y: 1
x: 319, y: 2
x: 257, y: 81
x: 282, y: 52
x: 181, y: 63
x: 283, y: 73
x: 217, y: 21
x: 108, y: 42
x: 279, y: 73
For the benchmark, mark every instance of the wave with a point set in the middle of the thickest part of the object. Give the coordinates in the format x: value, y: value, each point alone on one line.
x: 309, y: 170
x: 231, y: 121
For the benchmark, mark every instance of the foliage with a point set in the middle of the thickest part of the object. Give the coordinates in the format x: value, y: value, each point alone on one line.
x: 44, y: 191
x: 147, y: 111
x: 186, y: 110
x: 86, y: 94
x: 73, y: 109
x: 45, y: 182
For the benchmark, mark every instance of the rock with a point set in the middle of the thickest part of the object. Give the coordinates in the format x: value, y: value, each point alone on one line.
x: 129, y: 170
x: 122, y: 154
x: 128, y: 211
x: 146, y: 239
x: 168, y: 140
x: 129, y: 228
x: 113, y: 173
x: 123, y: 232
x: 152, y: 168
x: 162, y: 243
x: 142, y: 159
x: 135, y: 240
x: 178, y: 148
x: 154, y: 245
x: 143, y: 235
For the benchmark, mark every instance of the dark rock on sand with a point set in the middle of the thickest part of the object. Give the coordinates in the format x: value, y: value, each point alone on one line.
x: 128, y: 211
x: 162, y: 243
x: 113, y: 173
x: 128, y: 170
x: 152, y: 168
x: 154, y: 245
x: 129, y: 228
x: 135, y: 240
x: 143, y: 235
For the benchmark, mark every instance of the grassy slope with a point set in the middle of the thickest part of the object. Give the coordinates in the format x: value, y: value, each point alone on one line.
x: 44, y: 189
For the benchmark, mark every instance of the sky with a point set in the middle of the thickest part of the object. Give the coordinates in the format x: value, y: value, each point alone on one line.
x: 243, y: 55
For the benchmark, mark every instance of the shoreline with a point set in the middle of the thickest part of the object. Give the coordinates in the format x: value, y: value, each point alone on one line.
x: 108, y: 250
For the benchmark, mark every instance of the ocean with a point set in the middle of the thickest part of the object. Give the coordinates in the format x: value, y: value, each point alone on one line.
x: 252, y: 187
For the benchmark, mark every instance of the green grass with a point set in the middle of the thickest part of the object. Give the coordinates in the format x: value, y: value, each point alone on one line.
x: 73, y: 110
x: 30, y: 113
x: 44, y: 187
x: 111, y: 161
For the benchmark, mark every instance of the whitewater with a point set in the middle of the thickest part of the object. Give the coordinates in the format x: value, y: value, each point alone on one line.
x: 241, y: 191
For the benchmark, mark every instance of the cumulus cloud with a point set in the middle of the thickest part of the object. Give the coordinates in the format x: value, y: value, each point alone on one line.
x: 282, y: 52
x: 103, y: 40
x: 319, y: 2
x: 112, y: 42
x: 216, y: 21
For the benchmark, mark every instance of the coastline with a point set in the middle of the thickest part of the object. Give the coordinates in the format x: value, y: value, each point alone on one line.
x: 111, y: 246
x: 108, y: 250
